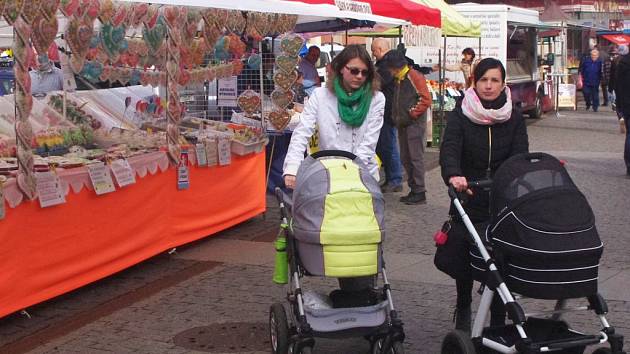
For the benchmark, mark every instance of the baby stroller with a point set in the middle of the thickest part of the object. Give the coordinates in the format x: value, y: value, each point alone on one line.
x: 545, y: 246
x: 333, y: 226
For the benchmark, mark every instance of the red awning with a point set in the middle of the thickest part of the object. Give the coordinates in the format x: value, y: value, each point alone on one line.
x: 401, y: 9
x: 618, y: 38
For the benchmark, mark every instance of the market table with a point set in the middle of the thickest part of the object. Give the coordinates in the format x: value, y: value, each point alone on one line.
x: 50, y: 251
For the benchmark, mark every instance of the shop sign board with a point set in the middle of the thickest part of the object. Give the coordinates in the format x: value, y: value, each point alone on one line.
x: 566, y: 95
x: 49, y: 190
x: 123, y: 172
x: 228, y: 92
x: 354, y: 6
x: 101, y: 178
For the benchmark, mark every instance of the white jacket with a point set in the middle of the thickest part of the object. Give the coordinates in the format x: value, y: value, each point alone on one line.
x: 321, y: 111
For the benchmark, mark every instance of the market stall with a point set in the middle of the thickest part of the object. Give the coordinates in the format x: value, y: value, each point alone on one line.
x: 92, y: 182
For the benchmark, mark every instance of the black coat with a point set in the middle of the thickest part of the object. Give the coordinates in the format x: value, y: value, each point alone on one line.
x: 465, y: 151
x: 622, y: 84
x: 387, y: 87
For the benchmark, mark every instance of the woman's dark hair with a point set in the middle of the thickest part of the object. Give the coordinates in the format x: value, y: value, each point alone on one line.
x: 485, y: 65
x: 350, y: 52
x: 394, y: 59
x: 469, y: 51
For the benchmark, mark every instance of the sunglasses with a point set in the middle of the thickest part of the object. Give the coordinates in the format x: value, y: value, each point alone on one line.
x: 355, y: 71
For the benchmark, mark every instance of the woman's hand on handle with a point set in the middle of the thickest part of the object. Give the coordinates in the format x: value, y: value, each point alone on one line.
x: 460, y: 184
x: 289, y: 181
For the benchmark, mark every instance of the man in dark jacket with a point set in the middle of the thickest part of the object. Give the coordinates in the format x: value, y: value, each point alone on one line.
x: 591, y: 70
x: 387, y: 148
x: 622, y: 93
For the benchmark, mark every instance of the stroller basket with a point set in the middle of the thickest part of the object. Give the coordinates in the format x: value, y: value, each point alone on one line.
x: 338, y: 218
x: 543, y: 230
x: 324, y: 318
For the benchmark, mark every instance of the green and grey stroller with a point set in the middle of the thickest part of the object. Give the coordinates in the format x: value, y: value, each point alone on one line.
x: 334, y: 227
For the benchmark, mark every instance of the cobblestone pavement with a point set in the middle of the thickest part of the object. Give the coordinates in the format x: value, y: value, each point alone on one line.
x: 227, y: 278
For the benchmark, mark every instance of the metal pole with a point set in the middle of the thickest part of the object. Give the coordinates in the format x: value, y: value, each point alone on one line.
x: 400, y: 34
x: 262, y: 88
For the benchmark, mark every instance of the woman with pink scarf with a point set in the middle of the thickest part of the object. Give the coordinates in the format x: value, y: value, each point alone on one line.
x: 484, y: 130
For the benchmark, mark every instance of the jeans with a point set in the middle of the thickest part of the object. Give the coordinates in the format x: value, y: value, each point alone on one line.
x: 387, y: 151
x: 591, y: 96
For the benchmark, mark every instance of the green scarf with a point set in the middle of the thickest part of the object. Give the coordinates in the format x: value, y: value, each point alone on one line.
x: 353, y: 108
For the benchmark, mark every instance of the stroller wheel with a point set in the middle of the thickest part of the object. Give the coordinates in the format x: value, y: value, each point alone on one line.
x: 396, y: 348
x: 278, y: 329
x: 458, y: 342
x: 602, y: 351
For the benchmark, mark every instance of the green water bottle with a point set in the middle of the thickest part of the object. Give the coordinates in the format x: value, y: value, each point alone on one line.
x: 280, y: 272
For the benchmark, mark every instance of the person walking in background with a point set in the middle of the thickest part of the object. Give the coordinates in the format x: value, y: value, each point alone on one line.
x: 410, y: 102
x: 483, y: 131
x: 306, y: 67
x: 465, y: 66
x: 387, y: 146
x: 591, y: 71
x: 622, y: 93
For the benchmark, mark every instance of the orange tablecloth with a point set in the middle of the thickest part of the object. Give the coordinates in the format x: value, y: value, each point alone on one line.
x: 47, y: 252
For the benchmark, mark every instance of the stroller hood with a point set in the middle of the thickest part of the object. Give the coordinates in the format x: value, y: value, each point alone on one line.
x: 338, y: 217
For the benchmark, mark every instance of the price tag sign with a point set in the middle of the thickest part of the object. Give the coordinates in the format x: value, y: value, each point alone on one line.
x: 123, y: 172
x: 49, y: 191
x: 200, y: 152
x: 225, y: 154
x: 183, y: 178
x: 101, y: 178
x: 212, y: 156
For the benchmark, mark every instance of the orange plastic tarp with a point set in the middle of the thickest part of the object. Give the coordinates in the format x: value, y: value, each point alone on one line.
x: 47, y: 252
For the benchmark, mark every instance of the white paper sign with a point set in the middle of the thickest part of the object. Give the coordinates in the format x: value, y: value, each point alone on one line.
x: 123, y: 172
x: 225, y: 154
x: 228, y: 92
x: 200, y: 153
x: 212, y: 155
x: 566, y: 95
x: 101, y: 178
x: 49, y: 189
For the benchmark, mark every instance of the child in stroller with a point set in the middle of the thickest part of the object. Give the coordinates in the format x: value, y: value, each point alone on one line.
x: 541, y: 249
x: 333, y: 226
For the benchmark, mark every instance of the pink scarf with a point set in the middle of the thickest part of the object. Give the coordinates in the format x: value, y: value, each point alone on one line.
x: 474, y: 110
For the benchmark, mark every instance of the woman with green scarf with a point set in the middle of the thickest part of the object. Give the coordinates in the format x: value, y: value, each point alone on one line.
x: 348, y: 114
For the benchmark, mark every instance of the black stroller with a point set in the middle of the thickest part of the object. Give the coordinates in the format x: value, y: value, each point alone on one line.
x: 333, y: 225
x: 544, y: 245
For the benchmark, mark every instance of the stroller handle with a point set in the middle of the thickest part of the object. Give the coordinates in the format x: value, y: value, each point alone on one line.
x: 334, y: 153
x: 482, y: 183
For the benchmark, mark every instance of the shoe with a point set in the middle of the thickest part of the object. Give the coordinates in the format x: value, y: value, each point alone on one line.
x: 462, y: 319
x: 605, y: 104
x: 588, y: 107
x: 388, y: 188
x: 594, y: 109
x: 414, y: 198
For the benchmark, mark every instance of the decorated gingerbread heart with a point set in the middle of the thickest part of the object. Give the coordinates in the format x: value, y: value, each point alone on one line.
x: 291, y: 44
x: 279, y: 119
x: 151, y: 17
x: 49, y: 8
x: 171, y: 14
x: 286, y: 63
x: 107, y: 11
x: 249, y: 101
x: 105, y: 73
x: 282, y: 98
x: 285, y: 80
x: 138, y: 13
x: 69, y: 7
x: 235, y: 22
x: 154, y: 37
x: 44, y: 32
x: 120, y: 15
x: 30, y: 10
x: 12, y: 10
x: 111, y: 40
